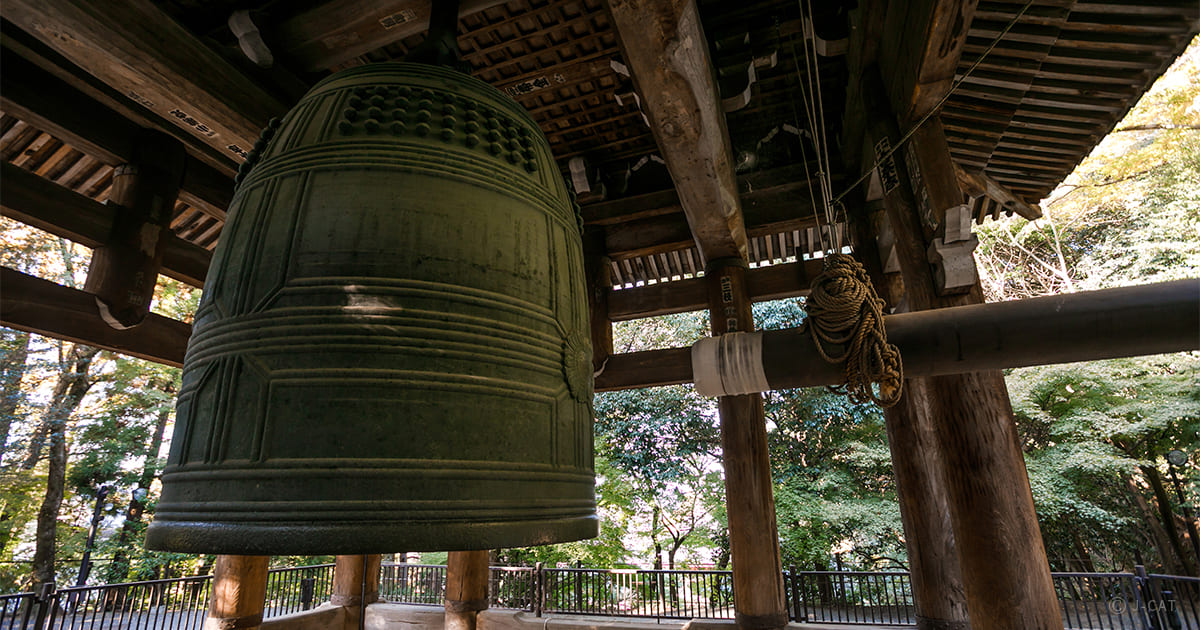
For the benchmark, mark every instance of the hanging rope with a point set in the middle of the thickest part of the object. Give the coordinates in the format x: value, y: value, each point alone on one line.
x: 846, y: 319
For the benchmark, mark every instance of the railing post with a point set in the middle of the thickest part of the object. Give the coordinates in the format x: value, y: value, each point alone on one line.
x: 794, y: 589
x: 45, y: 601
x: 1144, y: 596
x: 539, y: 588
x: 307, y: 587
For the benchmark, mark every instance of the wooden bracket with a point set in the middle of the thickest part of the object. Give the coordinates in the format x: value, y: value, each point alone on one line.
x: 124, y: 268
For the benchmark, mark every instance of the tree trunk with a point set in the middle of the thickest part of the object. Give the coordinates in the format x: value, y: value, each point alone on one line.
x: 1168, y: 518
x: 13, y: 354
x: 1170, y: 561
x: 118, y: 569
x: 69, y: 391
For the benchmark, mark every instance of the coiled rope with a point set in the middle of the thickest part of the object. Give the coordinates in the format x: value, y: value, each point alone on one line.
x: 846, y: 319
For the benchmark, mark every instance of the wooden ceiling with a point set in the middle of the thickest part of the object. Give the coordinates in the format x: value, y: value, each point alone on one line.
x: 78, y: 76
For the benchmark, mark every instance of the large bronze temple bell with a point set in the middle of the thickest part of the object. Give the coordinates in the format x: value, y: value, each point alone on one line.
x: 392, y: 352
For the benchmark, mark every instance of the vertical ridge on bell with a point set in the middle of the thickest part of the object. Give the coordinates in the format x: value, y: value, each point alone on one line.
x: 392, y: 350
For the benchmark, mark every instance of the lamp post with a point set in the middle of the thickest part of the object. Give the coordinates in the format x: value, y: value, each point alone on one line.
x: 1176, y: 457
x: 85, y: 566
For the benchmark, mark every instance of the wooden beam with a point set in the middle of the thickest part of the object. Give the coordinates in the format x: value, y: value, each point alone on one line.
x: 767, y: 211
x: 977, y: 183
x: 123, y: 272
x: 50, y: 104
x: 664, y: 46
x: 774, y: 282
x: 56, y: 69
x: 45, y: 308
x: 338, y: 31
x: 41, y: 203
x: 141, y: 51
x: 922, y: 43
x: 647, y: 368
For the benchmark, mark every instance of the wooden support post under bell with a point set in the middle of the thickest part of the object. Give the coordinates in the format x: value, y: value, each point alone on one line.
x: 355, y: 584
x: 466, y: 588
x: 749, y: 498
x: 124, y: 269
x: 239, y: 592
x: 1002, y: 560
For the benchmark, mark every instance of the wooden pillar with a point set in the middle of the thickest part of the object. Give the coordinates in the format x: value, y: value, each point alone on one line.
x: 124, y: 269
x: 466, y: 588
x: 355, y: 584
x: 599, y: 282
x: 749, y: 497
x: 239, y: 591
x: 936, y: 577
x: 1005, y: 575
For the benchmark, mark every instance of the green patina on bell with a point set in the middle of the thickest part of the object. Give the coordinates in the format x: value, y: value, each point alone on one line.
x: 392, y: 352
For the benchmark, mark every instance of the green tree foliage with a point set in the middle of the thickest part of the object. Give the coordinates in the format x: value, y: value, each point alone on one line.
x: 1094, y: 433
x: 74, y: 419
x: 834, y: 494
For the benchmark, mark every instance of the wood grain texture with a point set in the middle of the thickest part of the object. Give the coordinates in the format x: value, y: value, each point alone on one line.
x: 239, y: 591
x: 139, y: 50
x: 123, y: 271
x: 45, y: 308
x: 48, y: 103
x: 47, y: 206
x: 935, y: 575
x: 1007, y: 583
x: 749, y: 494
x: 466, y: 588
x: 663, y: 45
x: 922, y: 43
x: 1005, y: 572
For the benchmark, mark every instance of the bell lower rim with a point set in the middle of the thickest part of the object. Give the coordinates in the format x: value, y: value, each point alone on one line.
x: 352, y: 538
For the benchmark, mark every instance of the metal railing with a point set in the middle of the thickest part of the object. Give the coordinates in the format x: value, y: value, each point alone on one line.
x: 178, y: 604
x: 1093, y: 601
x: 637, y: 593
x: 862, y: 597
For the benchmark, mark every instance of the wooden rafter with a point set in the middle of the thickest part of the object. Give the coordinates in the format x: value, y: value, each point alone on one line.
x: 773, y: 282
x: 667, y: 54
x: 977, y: 183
